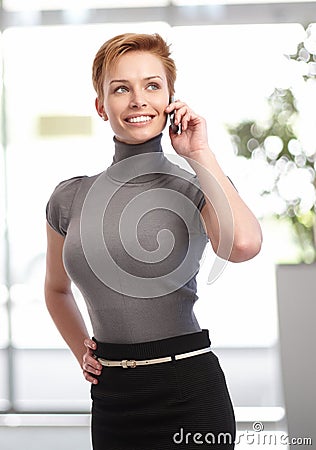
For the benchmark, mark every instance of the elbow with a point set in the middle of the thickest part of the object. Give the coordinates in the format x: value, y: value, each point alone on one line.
x: 53, y: 293
x: 246, y: 249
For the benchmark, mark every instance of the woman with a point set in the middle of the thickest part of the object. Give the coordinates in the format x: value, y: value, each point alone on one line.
x: 131, y: 238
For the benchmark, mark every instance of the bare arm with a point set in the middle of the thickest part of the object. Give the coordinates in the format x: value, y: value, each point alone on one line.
x: 63, y: 308
x: 233, y: 230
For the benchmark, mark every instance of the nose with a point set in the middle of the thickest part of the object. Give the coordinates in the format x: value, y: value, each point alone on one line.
x: 138, y: 99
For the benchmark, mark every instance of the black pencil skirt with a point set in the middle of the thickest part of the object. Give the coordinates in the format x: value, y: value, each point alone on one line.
x: 181, y: 404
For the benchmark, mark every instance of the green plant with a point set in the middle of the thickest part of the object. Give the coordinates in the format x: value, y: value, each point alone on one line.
x: 278, y: 144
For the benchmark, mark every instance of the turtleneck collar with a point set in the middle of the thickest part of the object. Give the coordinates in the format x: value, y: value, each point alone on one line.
x: 137, y: 163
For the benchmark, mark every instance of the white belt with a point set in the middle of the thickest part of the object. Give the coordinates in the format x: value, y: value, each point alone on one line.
x: 131, y: 363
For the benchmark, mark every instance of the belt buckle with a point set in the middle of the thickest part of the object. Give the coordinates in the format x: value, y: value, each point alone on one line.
x: 126, y: 363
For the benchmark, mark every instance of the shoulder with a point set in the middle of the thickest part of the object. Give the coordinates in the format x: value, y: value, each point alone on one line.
x: 59, y: 204
x: 65, y: 191
x: 185, y: 175
x: 68, y: 186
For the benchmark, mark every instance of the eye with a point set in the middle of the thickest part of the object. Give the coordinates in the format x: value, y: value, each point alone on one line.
x: 121, y: 89
x: 153, y: 86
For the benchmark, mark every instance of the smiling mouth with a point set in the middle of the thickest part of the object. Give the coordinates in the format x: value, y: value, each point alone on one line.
x: 139, y: 119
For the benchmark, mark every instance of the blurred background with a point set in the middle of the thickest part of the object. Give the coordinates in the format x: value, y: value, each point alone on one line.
x: 249, y: 68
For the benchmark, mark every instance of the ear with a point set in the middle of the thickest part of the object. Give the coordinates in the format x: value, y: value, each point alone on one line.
x: 100, y: 109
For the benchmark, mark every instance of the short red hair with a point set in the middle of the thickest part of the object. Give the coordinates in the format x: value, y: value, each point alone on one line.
x: 111, y: 50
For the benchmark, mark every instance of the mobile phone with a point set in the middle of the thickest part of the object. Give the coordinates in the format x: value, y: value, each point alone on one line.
x: 174, y: 128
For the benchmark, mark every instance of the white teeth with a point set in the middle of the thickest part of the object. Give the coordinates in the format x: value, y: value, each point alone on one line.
x: 139, y: 119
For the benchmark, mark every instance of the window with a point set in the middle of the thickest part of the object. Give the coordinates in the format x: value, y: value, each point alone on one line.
x: 225, y: 75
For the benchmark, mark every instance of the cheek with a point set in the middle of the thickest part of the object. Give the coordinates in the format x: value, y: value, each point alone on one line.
x: 113, y: 107
x: 161, y: 105
x: 113, y: 113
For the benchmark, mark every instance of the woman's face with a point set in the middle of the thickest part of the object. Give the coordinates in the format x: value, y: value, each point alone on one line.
x: 135, y: 97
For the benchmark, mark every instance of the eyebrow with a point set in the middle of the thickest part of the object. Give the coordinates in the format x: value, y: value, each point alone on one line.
x: 146, y: 79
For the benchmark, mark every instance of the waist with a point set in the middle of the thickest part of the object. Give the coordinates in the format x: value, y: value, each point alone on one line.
x: 154, y: 349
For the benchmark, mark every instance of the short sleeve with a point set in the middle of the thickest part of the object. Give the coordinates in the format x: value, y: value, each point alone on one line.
x: 192, y: 190
x: 59, y: 205
x: 195, y: 193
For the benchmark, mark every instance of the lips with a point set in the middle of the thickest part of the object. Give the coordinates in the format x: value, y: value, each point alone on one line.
x: 139, y: 119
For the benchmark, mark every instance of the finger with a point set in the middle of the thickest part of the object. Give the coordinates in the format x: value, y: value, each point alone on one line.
x: 179, y: 112
x: 90, y: 361
x: 182, y: 116
x: 90, y: 378
x: 89, y: 343
x: 91, y: 369
x: 174, y: 106
x: 185, y: 120
x: 88, y: 356
x: 91, y: 364
x: 189, y: 116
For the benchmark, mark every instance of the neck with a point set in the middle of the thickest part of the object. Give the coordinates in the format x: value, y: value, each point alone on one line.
x: 137, y: 163
x: 124, y: 150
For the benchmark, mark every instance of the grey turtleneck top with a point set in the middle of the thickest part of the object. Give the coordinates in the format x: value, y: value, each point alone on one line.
x: 133, y: 243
